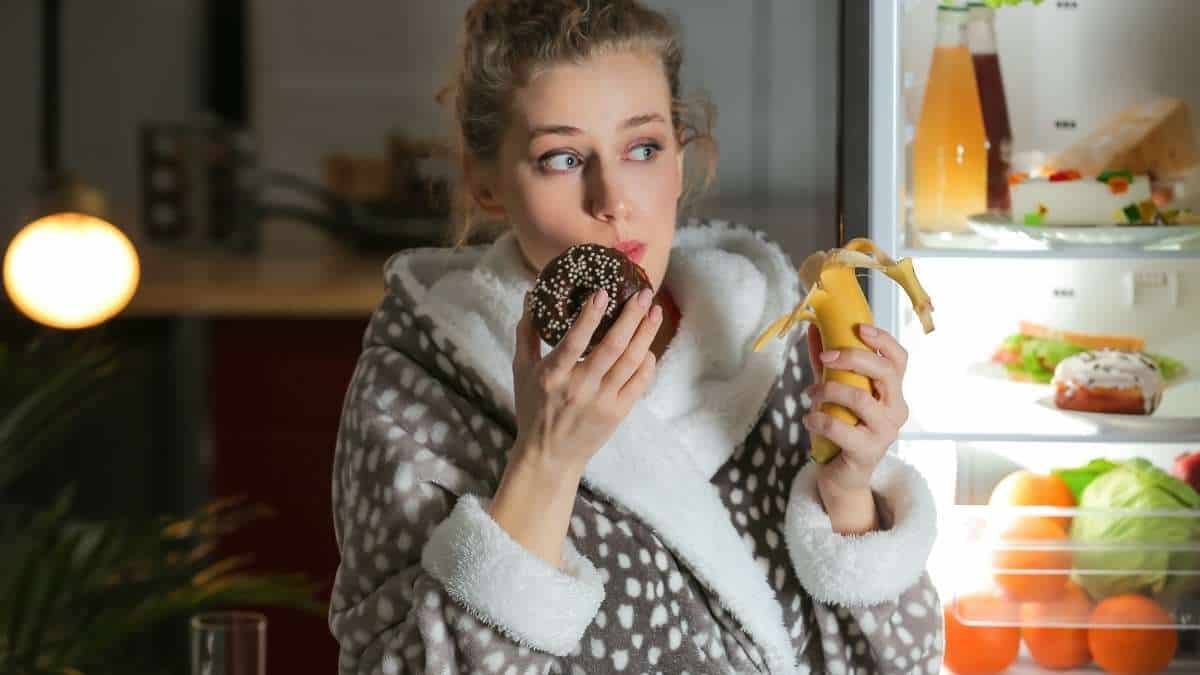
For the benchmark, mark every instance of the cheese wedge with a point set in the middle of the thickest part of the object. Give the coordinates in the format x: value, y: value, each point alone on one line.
x: 1155, y: 138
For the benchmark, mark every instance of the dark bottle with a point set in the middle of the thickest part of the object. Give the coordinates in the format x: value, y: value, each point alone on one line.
x: 981, y: 40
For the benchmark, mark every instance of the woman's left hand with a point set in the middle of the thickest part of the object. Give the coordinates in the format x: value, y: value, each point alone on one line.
x: 881, y: 412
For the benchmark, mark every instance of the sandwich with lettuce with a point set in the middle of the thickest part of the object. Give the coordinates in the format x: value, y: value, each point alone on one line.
x: 1032, y: 354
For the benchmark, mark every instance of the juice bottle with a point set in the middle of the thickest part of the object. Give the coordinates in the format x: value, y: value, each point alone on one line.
x: 950, y: 146
x: 981, y: 40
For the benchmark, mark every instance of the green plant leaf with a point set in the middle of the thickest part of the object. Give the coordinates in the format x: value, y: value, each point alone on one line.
x: 78, y: 596
x: 29, y: 578
x: 104, y: 586
x: 41, y: 391
x: 57, y: 583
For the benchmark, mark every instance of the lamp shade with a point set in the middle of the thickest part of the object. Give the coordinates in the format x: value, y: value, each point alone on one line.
x: 69, y: 270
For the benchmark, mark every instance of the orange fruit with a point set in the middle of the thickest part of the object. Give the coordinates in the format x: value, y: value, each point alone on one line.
x: 1058, y: 648
x: 1026, y: 488
x: 1025, y: 582
x: 1132, y: 650
x: 981, y: 650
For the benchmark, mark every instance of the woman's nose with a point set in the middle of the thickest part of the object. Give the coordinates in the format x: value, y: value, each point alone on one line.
x: 607, y: 199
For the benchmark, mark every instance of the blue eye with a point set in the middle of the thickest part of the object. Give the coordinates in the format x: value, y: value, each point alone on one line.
x: 563, y: 161
x: 645, y: 152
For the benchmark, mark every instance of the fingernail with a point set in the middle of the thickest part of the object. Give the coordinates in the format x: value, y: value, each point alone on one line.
x: 644, y: 298
x: 868, y: 330
x: 600, y: 299
x: 829, y: 356
x: 656, y: 313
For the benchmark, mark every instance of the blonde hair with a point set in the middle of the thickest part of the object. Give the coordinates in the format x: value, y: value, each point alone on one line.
x: 506, y: 43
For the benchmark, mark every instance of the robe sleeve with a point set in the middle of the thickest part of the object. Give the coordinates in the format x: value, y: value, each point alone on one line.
x: 428, y: 582
x: 872, y: 598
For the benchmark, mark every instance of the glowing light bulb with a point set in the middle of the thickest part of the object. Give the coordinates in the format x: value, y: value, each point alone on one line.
x: 70, y: 270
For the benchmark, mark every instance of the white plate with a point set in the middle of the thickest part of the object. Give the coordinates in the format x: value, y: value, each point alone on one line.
x: 956, y: 400
x: 1001, y: 228
x: 1178, y: 413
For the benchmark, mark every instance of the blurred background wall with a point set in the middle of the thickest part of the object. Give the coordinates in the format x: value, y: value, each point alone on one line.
x: 216, y: 402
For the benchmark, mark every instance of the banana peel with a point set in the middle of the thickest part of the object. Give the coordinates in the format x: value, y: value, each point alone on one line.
x: 836, y: 304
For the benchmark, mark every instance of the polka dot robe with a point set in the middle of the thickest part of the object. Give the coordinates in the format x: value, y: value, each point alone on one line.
x: 418, y: 431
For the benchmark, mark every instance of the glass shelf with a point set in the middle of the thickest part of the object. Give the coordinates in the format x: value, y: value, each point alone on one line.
x: 1048, y: 254
x: 980, y: 406
x: 1026, y: 666
x: 978, y: 246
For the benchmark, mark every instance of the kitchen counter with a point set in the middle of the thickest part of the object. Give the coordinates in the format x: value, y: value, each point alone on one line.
x: 299, y: 272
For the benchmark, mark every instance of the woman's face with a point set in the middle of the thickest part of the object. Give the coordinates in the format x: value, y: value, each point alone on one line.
x: 590, y: 156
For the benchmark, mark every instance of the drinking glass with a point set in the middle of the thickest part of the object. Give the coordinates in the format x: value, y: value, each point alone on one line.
x: 229, y: 643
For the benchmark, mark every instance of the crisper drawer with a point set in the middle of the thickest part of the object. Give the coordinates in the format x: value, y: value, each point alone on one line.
x: 1071, y: 588
x: 1036, y: 540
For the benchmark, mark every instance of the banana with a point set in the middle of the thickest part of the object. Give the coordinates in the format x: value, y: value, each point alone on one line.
x: 836, y: 304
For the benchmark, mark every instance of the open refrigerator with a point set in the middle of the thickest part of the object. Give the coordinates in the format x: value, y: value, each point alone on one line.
x: 1119, y: 571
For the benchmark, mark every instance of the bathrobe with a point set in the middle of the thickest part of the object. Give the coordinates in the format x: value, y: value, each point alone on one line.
x: 697, y: 541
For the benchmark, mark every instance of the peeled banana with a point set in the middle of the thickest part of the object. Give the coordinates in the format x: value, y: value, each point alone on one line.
x: 836, y: 304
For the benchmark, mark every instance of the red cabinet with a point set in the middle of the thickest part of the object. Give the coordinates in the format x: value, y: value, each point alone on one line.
x: 276, y: 390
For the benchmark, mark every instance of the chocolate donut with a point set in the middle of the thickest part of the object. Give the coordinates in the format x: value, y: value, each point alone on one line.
x: 568, y: 281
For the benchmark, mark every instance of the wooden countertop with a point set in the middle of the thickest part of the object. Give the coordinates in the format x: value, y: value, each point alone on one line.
x: 298, y: 273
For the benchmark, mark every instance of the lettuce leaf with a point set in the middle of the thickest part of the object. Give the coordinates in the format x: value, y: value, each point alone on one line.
x: 1169, y: 367
x: 1013, y: 342
x: 1039, y: 356
x: 1079, y: 478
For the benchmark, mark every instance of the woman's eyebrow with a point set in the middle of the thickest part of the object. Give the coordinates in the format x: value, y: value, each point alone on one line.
x: 567, y: 130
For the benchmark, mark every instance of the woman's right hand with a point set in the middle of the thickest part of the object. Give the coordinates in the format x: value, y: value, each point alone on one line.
x: 566, y: 408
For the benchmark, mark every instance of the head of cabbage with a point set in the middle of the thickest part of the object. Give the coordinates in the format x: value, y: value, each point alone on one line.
x: 1134, y: 552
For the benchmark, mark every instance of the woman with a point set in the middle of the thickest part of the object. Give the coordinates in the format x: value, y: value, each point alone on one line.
x: 504, y: 507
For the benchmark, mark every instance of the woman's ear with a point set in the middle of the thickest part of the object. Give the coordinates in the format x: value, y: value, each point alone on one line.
x: 481, y: 179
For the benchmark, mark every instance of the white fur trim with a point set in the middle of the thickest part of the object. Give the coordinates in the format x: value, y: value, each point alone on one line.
x: 730, y: 283
x: 538, y: 606
x: 868, y: 569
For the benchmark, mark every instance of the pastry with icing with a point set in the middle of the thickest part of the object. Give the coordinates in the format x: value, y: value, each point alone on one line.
x: 1108, y: 381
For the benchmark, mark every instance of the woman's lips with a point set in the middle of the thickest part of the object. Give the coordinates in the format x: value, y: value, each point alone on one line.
x: 634, y: 250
